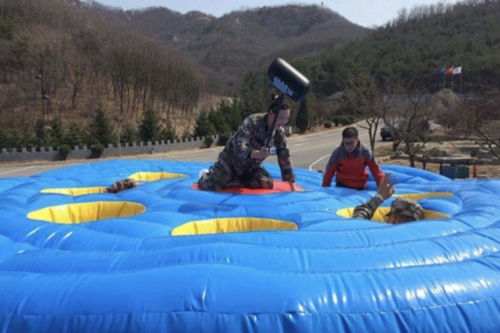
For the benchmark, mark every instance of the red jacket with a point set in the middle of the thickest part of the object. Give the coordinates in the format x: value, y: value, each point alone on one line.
x: 351, y: 167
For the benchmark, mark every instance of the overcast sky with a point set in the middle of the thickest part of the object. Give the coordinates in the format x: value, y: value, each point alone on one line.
x: 363, y: 12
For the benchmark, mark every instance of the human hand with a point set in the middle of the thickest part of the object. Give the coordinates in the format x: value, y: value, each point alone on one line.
x: 292, y: 186
x: 261, y: 154
x: 386, y: 187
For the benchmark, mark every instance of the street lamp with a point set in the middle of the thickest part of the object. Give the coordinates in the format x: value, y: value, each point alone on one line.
x: 45, y: 96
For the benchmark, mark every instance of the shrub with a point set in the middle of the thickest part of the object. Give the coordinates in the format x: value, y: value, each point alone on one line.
x: 208, y: 141
x: 344, y: 120
x: 328, y: 124
x: 97, y: 150
x: 64, y: 151
x: 302, y: 121
x: 223, y: 139
x: 351, y: 118
x: 336, y: 121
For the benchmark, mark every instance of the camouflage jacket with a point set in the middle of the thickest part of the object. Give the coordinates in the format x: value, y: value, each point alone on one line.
x: 366, y: 210
x: 252, y: 135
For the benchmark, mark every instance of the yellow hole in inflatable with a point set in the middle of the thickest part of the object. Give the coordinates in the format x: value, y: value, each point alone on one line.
x: 419, y: 196
x: 86, y: 212
x: 380, y: 214
x: 75, y: 191
x: 154, y: 176
x: 234, y: 224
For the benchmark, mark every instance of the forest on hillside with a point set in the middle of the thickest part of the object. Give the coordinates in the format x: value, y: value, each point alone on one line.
x: 59, y: 64
x: 94, y: 69
x: 416, y: 45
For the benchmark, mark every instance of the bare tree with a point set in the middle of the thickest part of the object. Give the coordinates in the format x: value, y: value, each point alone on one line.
x: 478, y: 115
x: 408, y: 115
x: 365, y: 98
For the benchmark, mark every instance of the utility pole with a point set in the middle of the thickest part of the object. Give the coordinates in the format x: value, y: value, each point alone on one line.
x: 118, y: 120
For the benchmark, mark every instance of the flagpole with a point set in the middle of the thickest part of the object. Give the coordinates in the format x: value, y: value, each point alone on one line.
x: 461, y: 71
x: 452, y: 77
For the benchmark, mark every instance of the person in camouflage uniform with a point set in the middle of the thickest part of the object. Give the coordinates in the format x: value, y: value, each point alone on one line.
x: 122, y: 185
x: 402, y: 210
x: 240, y: 163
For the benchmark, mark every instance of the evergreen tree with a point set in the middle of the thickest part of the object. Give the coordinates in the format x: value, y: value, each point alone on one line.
x: 302, y: 121
x: 217, y: 118
x: 14, y: 141
x: 27, y: 139
x: 75, y: 136
x: 128, y: 134
x: 3, y: 137
x: 186, y: 134
x: 203, y: 126
x: 168, y: 133
x: 101, y: 129
x: 254, y: 93
x: 56, y: 132
x: 150, y: 127
x: 231, y: 113
x: 42, y: 134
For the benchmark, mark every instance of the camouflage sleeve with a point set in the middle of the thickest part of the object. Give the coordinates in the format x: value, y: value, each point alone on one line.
x: 242, y: 137
x: 284, y: 159
x: 366, y: 210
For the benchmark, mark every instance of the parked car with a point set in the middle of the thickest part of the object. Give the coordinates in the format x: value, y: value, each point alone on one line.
x: 386, y: 130
x: 386, y: 133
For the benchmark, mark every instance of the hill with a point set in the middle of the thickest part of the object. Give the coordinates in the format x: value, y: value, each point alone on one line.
x: 416, y: 45
x: 244, y: 40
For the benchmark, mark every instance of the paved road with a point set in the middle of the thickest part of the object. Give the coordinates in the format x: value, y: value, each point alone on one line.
x: 308, y: 152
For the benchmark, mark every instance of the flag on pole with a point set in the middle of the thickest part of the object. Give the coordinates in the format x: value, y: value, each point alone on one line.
x: 449, y: 71
x: 457, y: 70
x: 441, y: 72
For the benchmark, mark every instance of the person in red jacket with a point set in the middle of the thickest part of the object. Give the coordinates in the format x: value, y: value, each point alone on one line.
x: 349, y: 162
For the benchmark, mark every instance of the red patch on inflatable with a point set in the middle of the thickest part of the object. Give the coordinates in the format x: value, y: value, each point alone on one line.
x: 278, y: 187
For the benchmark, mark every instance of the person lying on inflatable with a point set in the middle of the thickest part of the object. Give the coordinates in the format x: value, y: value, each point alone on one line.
x: 122, y: 185
x: 402, y: 210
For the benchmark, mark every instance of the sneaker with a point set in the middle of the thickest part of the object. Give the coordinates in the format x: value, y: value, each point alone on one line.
x: 202, y: 173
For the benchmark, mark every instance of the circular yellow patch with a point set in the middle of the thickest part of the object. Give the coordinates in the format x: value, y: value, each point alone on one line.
x: 233, y: 224
x: 87, y: 212
x: 77, y: 191
x: 381, y: 212
x: 419, y: 196
x: 154, y: 176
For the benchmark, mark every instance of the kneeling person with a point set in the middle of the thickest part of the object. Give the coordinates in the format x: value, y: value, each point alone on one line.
x: 241, y: 160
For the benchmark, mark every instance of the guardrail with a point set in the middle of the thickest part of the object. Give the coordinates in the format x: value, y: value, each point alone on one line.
x: 52, y: 154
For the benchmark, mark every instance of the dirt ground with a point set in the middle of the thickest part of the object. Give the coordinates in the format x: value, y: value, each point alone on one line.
x: 383, y: 156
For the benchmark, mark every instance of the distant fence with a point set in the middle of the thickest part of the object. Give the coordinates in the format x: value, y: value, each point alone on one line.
x: 125, y: 149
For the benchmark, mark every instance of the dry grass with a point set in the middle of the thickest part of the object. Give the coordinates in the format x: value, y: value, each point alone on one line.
x: 383, y: 156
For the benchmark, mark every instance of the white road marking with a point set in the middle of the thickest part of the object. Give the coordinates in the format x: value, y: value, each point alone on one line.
x: 318, y: 160
x: 16, y: 170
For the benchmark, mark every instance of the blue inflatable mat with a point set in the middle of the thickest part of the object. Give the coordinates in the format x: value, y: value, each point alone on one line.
x: 164, y: 257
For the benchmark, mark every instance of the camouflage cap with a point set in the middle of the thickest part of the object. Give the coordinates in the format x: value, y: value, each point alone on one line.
x: 406, y: 207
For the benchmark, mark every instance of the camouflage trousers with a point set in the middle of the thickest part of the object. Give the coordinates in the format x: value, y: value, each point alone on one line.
x: 222, y: 175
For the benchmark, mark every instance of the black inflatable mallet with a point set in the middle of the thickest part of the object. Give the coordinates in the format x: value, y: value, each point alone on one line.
x: 290, y: 82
